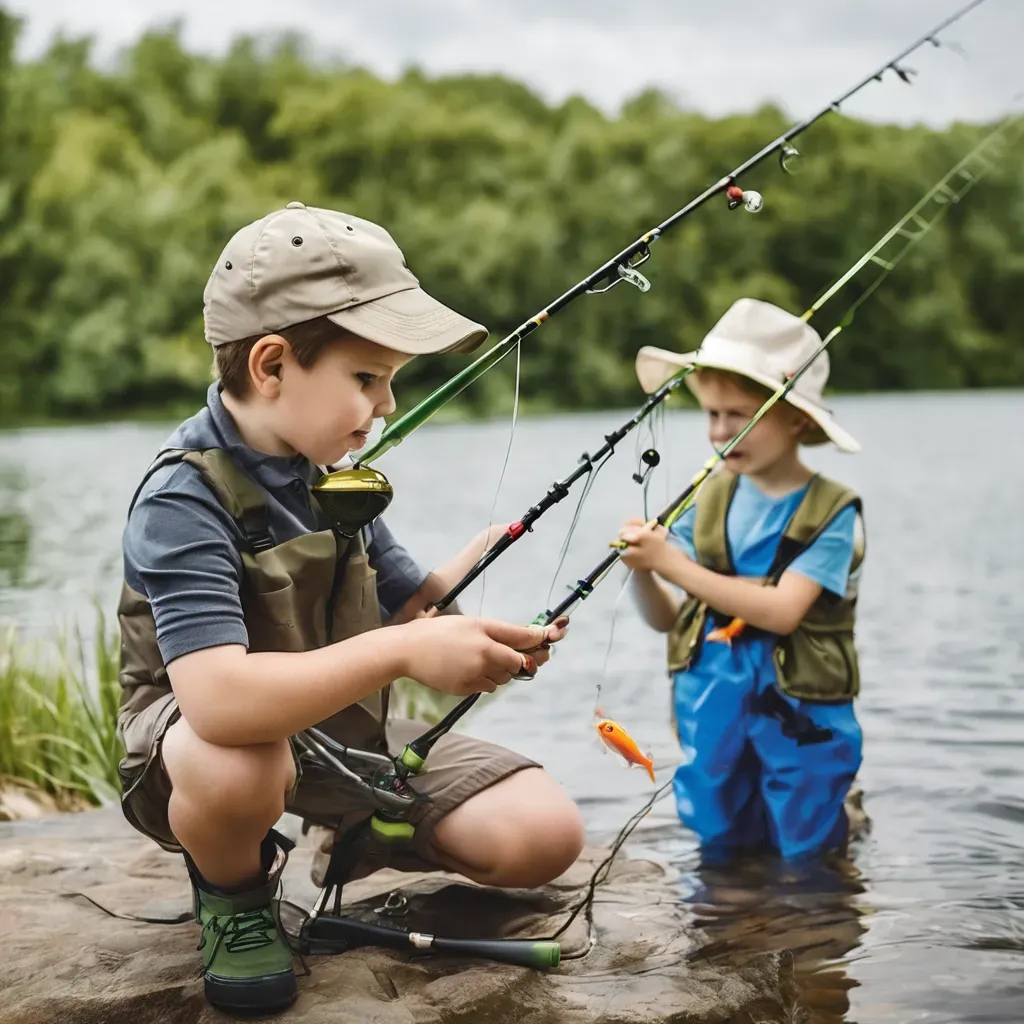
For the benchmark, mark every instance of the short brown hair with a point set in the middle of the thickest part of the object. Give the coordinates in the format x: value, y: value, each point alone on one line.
x: 307, y: 341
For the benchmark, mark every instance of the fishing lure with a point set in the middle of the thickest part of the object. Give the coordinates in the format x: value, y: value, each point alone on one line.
x: 618, y: 741
x: 726, y: 634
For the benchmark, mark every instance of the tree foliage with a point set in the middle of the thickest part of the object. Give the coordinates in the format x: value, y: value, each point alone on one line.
x: 119, y: 186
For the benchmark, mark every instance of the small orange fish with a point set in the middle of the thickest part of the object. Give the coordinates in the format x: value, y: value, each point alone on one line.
x: 618, y: 740
x: 726, y: 634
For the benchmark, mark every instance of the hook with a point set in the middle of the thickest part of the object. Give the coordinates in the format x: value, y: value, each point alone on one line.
x: 904, y: 73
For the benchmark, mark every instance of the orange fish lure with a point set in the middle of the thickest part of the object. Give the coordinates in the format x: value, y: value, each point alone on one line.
x: 726, y: 634
x: 620, y: 742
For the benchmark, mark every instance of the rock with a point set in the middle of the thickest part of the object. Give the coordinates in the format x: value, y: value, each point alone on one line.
x: 66, y: 962
x: 17, y: 803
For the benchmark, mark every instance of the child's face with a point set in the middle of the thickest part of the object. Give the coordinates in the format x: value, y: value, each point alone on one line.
x: 326, y: 410
x: 730, y: 408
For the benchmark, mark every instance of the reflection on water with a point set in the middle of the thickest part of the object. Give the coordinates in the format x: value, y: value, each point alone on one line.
x: 812, y: 911
x: 925, y: 920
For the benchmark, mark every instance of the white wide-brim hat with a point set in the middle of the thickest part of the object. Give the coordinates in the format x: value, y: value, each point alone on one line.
x: 767, y: 345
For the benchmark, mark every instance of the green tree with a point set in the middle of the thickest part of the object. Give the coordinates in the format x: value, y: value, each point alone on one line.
x: 119, y: 186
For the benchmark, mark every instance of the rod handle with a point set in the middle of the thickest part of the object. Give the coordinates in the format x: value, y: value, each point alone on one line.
x: 526, y: 953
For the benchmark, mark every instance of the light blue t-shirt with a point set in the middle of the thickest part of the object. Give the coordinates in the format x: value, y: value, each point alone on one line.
x: 754, y: 525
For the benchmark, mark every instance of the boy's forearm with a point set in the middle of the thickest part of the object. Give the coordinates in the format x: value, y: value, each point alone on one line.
x: 657, y: 605
x: 763, y: 607
x: 442, y: 579
x: 267, y: 696
x: 432, y: 589
x: 453, y: 570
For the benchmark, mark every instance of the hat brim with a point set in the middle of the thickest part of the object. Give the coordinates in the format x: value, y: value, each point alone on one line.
x: 412, y: 322
x: 654, y: 366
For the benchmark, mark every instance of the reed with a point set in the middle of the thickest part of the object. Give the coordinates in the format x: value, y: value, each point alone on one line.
x: 58, y: 716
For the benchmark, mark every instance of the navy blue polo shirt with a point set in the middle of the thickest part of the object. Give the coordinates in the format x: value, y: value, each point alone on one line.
x: 182, y: 549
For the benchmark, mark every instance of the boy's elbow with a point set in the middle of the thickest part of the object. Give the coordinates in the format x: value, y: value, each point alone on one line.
x: 786, y: 620
x: 205, y: 685
x: 210, y: 723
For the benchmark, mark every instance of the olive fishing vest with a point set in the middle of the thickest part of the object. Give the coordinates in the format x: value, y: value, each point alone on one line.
x: 310, y: 591
x: 818, y: 660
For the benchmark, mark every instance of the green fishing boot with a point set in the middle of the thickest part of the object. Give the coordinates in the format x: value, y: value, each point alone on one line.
x: 247, y: 962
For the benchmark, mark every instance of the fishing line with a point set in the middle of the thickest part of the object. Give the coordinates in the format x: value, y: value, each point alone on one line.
x: 614, y: 619
x: 504, y: 467
x: 563, y: 551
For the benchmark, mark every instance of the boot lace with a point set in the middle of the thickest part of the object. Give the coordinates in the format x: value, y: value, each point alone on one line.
x: 240, y: 933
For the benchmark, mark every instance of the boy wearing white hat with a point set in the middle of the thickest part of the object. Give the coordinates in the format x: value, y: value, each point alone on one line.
x: 760, y: 646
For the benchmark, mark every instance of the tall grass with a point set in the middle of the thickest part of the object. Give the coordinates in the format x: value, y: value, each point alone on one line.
x: 58, y: 716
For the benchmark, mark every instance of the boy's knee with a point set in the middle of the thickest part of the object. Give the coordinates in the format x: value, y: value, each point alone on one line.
x: 537, y: 842
x: 228, y: 779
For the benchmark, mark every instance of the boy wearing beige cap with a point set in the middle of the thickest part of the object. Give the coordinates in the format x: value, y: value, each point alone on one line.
x: 247, y: 617
x: 761, y: 647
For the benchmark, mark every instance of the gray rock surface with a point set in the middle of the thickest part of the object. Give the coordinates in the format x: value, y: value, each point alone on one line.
x: 66, y: 962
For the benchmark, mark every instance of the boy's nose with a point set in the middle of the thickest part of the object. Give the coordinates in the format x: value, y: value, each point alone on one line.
x: 387, y: 405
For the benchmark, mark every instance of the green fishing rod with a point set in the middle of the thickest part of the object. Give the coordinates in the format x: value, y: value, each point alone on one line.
x: 352, y: 498
x: 912, y: 227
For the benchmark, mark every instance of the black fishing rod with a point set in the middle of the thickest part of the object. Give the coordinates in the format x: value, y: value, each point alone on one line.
x: 622, y: 267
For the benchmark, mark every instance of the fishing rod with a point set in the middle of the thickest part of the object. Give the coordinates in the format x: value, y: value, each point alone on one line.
x: 912, y: 227
x: 353, y: 497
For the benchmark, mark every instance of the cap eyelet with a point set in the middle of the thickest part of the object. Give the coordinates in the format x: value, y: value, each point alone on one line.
x: 228, y: 265
x: 348, y: 227
x: 297, y: 241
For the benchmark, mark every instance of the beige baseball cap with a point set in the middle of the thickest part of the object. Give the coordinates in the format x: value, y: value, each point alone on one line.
x: 766, y: 344
x: 301, y: 262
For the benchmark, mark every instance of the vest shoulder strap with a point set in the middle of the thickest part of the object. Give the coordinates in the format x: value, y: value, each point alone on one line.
x: 824, y: 500
x: 240, y: 496
x: 710, y: 539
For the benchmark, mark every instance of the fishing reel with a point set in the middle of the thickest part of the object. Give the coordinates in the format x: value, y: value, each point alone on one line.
x: 353, y: 498
x: 752, y: 201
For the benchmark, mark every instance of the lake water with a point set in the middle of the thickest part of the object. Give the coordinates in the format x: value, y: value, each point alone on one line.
x: 926, y: 921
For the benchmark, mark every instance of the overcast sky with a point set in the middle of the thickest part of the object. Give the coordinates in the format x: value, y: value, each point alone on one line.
x: 713, y: 56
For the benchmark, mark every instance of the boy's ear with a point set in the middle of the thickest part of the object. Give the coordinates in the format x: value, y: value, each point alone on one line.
x: 265, y: 361
x: 802, y: 423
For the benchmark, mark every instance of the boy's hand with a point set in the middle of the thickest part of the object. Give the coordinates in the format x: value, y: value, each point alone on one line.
x: 461, y: 655
x: 555, y: 632
x: 647, y: 547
